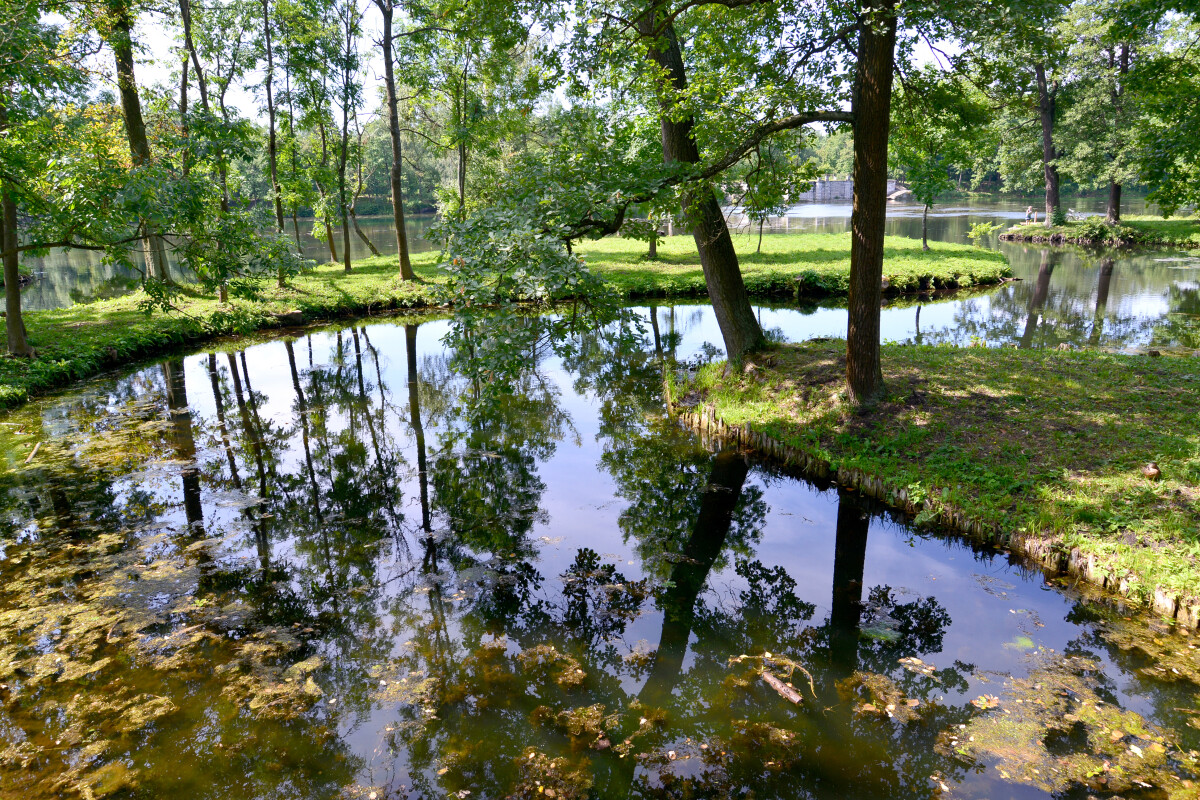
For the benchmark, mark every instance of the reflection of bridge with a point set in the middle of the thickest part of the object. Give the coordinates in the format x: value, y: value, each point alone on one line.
x: 828, y: 190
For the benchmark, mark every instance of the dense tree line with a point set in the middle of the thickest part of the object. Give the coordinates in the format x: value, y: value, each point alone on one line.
x: 537, y: 123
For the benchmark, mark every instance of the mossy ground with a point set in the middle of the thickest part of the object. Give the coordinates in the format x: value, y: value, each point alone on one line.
x: 1045, y: 443
x: 82, y: 340
x: 1141, y: 229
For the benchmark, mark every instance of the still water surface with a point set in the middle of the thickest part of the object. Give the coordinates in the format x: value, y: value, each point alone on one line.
x: 331, y: 565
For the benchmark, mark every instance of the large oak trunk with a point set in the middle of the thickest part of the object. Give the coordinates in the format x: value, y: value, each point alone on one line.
x: 1046, y: 113
x: 872, y: 120
x: 722, y: 274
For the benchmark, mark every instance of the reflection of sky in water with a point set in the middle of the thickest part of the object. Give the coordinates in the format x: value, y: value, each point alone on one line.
x: 990, y: 601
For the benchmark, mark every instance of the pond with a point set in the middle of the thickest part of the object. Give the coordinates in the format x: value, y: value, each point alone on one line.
x: 334, y: 565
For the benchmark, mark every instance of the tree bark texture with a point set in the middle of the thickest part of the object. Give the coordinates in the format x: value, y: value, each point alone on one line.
x: 121, y: 41
x: 396, y: 174
x: 872, y: 121
x: 722, y: 274
x: 1046, y: 103
x: 14, y: 323
x: 272, y: 142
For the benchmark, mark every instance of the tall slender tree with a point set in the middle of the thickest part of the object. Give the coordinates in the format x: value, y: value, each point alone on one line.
x: 387, y: 8
x: 116, y: 28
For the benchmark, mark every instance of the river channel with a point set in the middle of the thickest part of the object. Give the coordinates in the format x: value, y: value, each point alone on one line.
x: 336, y: 564
x: 1120, y: 300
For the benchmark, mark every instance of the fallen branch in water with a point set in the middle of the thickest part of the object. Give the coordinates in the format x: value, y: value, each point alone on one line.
x: 785, y: 691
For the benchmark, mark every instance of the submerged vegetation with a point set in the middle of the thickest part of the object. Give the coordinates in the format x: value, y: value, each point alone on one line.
x: 276, y: 572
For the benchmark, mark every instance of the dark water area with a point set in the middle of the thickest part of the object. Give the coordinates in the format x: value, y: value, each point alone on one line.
x: 339, y: 565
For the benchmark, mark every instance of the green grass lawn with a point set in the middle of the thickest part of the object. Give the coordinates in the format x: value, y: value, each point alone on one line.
x: 820, y: 260
x: 84, y: 339
x: 1133, y: 229
x: 1029, y: 443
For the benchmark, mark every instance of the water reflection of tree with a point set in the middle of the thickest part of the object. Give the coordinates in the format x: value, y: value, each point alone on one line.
x: 1060, y: 303
x: 1180, y: 327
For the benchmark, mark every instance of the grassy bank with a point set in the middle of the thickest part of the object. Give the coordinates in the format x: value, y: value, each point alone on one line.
x: 82, y: 340
x: 85, y: 339
x: 804, y: 265
x: 1040, y: 450
x: 1133, y: 230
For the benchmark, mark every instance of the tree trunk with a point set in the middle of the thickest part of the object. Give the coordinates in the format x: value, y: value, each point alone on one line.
x: 361, y: 233
x: 333, y: 254
x: 121, y: 41
x: 1046, y: 112
x: 1114, y: 202
x: 184, y: 133
x: 653, y: 251
x: 358, y: 189
x: 396, y: 173
x: 1113, y: 214
x: 925, y: 228
x: 760, y: 229
x: 462, y: 175
x: 272, y: 144
x: 342, y: 163
x: 722, y: 274
x: 872, y: 120
x: 14, y: 323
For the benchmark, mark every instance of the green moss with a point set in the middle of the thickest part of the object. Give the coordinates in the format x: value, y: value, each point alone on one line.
x: 1028, y: 443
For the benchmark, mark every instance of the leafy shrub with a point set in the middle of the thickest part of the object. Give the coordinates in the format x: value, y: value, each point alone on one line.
x: 982, y: 230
